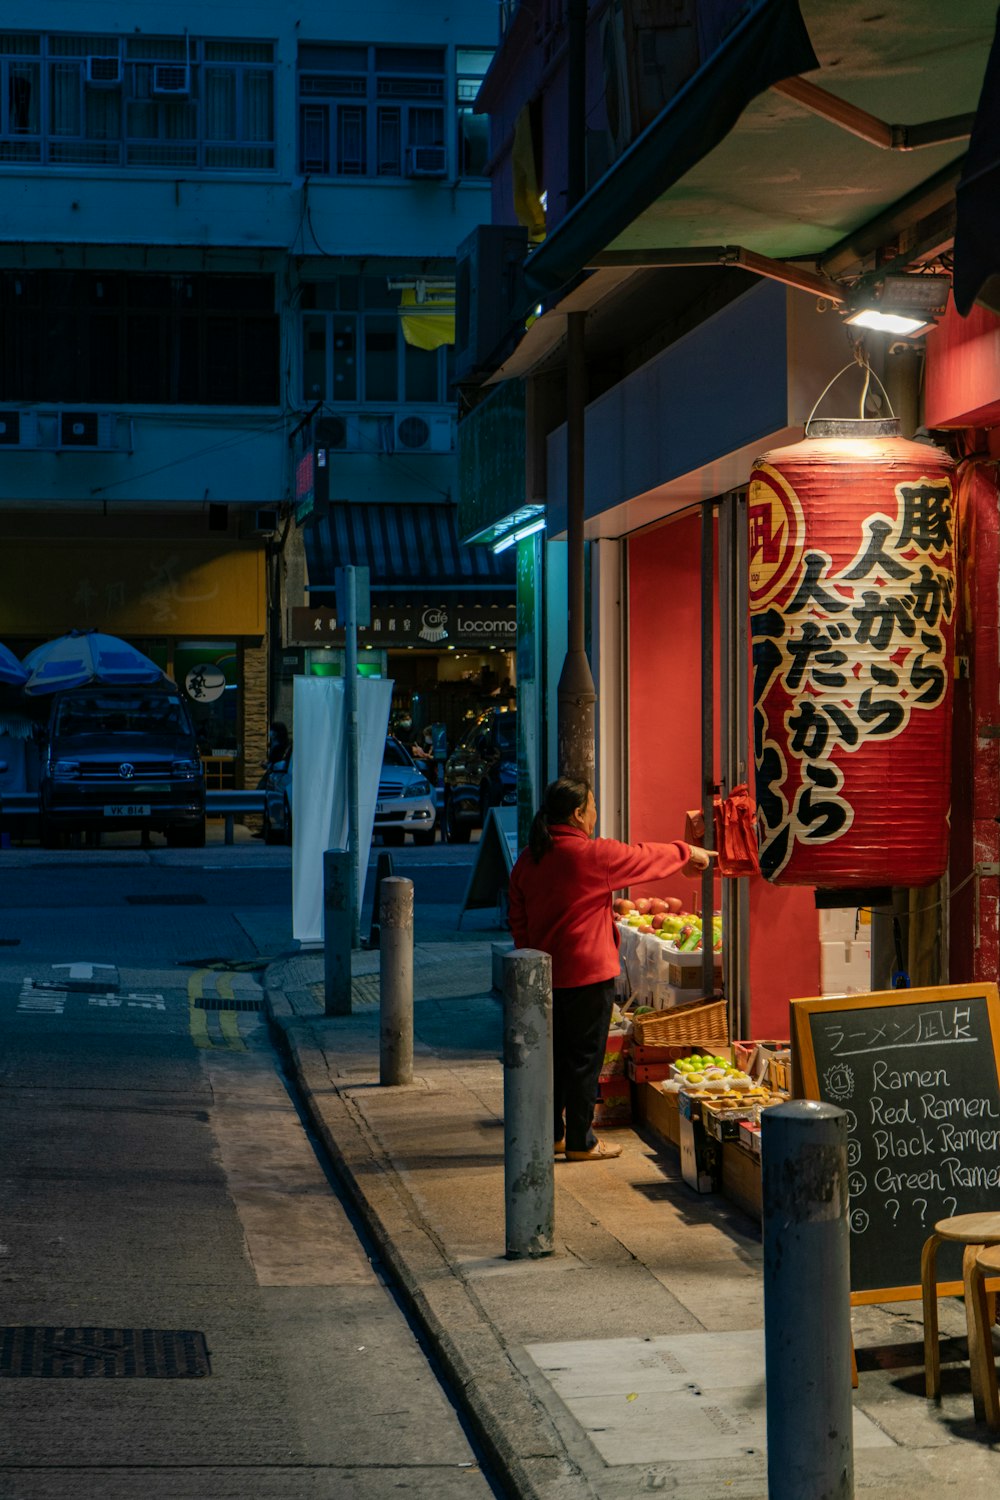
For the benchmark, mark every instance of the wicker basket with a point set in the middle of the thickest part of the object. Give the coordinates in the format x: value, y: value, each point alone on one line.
x: 704, y: 1022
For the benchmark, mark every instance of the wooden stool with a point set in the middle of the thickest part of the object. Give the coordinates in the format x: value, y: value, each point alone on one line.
x: 981, y: 1306
x: 974, y: 1231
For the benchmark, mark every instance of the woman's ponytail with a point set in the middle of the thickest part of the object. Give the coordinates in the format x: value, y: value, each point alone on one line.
x: 539, y: 837
x: 562, y: 799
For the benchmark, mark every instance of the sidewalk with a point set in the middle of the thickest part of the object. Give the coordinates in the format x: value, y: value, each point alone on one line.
x: 630, y: 1361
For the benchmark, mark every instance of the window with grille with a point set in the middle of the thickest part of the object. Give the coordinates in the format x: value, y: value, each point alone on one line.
x: 365, y: 111
x: 354, y: 353
x: 136, y: 101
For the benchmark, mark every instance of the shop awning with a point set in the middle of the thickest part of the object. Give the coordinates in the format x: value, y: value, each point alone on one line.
x: 977, y: 229
x: 409, y: 549
x: 733, y: 161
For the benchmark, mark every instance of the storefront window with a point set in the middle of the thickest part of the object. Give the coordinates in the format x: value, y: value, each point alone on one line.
x: 207, y: 674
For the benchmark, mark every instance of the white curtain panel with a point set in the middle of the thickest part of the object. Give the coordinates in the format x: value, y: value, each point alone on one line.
x: 319, y: 786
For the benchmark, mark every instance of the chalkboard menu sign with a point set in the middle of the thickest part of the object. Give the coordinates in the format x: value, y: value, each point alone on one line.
x: 916, y: 1072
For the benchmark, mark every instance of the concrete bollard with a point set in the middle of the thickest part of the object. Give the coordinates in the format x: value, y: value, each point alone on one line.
x: 396, y: 981
x: 807, y: 1302
x: 337, y: 926
x: 529, y: 1180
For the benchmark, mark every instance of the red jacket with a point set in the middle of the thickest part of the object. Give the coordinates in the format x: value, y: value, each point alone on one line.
x: 562, y: 905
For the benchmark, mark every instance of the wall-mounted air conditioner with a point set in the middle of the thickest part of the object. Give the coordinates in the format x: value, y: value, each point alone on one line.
x: 488, y: 293
x: 427, y: 161
x: 86, y: 429
x: 104, y: 72
x: 18, y: 429
x: 173, y: 79
x: 339, y: 433
x: 422, y: 433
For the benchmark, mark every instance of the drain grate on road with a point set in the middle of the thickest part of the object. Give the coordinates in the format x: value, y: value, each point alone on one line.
x: 217, y: 1002
x: 67, y: 1353
x: 169, y: 898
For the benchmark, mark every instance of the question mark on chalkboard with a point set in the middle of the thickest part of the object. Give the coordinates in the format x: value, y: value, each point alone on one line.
x: 923, y: 1209
x: 954, y: 1205
x: 893, y: 1203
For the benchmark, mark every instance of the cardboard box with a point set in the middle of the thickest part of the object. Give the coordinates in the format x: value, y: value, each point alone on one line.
x: 614, y: 1055
x: 749, y: 1137
x: 655, y: 1072
x: 724, y: 1124
x: 700, y: 1156
x: 846, y: 967
x: 614, y: 1107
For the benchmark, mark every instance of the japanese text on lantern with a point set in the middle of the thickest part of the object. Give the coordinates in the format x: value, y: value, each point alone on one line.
x: 846, y: 648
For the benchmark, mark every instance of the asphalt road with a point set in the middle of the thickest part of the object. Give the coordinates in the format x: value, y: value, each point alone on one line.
x: 156, y: 1181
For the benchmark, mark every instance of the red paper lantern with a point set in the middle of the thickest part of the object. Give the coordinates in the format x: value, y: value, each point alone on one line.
x: 852, y: 604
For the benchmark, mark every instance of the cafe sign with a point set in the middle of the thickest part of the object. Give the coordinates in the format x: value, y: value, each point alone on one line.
x: 462, y: 626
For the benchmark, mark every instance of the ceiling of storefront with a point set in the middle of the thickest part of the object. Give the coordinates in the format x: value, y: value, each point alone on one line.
x: 785, y: 182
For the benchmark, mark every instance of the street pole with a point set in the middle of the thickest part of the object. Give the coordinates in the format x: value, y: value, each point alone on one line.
x: 351, y: 741
x: 528, y: 1108
x: 396, y: 981
x: 807, y: 1302
x: 338, y: 904
x: 576, y: 695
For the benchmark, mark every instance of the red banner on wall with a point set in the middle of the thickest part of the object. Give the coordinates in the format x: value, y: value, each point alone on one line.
x: 852, y: 597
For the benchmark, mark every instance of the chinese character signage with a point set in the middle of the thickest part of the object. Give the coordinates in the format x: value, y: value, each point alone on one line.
x: 464, y: 626
x: 852, y: 602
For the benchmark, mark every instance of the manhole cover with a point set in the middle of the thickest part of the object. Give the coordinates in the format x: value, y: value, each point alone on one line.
x: 170, y: 899
x: 61, y: 1353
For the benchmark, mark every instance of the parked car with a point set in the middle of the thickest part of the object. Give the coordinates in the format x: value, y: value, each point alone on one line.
x: 480, y: 773
x: 122, y: 757
x: 405, y: 800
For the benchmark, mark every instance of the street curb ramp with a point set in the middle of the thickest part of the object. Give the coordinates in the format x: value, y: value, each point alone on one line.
x: 515, y: 1430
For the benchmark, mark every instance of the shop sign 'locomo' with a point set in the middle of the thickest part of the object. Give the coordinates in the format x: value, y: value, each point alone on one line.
x: 852, y: 600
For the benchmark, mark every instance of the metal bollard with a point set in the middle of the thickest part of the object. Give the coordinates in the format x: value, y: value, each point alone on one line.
x: 807, y: 1300
x: 395, y: 1056
x: 528, y: 1161
x: 337, y: 925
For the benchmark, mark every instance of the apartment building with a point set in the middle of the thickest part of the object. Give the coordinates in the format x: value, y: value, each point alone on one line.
x: 227, y: 239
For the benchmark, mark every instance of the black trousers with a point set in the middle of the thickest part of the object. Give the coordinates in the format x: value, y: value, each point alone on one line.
x: 580, y: 1020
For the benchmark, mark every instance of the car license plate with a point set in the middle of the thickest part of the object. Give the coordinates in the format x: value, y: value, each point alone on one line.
x: 380, y: 807
x: 127, y: 810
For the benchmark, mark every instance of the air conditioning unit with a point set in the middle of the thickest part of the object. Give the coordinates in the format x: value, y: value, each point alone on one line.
x: 18, y: 429
x: 427, y: 161
x: 265, y: 521
x: 172, y: 78
x: 86, y: 429
x: 104, y: 72
x: 422, y: 433
x: 488, y: 293
x: 339, y: 433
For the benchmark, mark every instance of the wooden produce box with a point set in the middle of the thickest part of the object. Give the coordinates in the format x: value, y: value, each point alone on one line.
x: 659, y: 1111
x: 741, y: 1178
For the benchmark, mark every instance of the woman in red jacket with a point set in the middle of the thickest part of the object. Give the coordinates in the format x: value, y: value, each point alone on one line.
x: 561, y: 890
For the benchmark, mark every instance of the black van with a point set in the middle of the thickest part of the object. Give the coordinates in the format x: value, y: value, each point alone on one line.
x: 122, y: 757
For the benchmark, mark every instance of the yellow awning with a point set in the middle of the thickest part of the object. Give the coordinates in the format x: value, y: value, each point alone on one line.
x: 430, y: 323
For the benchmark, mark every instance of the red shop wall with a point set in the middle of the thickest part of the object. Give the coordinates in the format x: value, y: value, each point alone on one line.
x: 665, y: 761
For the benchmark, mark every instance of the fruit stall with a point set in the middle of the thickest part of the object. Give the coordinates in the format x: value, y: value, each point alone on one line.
x: 671, y: 1062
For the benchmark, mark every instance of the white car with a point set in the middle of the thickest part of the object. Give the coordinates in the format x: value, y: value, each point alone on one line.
x: 405, y: 800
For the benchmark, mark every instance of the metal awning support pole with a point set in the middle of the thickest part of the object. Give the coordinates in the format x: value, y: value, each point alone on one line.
x: 734, y: 748
x: 708, y: 740
x: 576, y: 695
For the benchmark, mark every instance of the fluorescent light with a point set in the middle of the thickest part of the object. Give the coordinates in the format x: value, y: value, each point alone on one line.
x: 882, y: 322
x: 518, y: 536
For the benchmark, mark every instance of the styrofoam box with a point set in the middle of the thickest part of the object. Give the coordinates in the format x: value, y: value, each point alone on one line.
x: 846, y: 967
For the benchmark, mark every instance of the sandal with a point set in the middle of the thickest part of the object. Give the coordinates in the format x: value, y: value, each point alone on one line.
x: 559, y: 1149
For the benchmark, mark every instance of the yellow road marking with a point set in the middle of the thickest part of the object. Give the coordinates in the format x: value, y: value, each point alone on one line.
x: 228, y: 1020
x: 197, y: 1019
